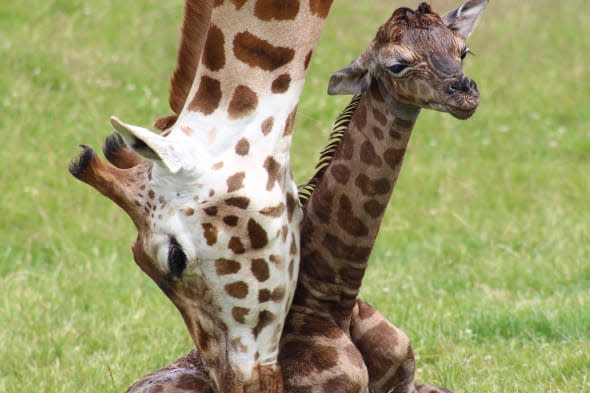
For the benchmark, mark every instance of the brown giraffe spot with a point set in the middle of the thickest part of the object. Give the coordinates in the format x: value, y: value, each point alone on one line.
x: 278, y: 294
x: 213, y: 53
x: 368, y: 155
x: 281, y: 84
x: 371, y: 187
x: 235, y: 181
x: 374, y: 208
x: 238, y: 289
x: 235, y: 244
x: 341, y: 173
x: 210, y: 233
x: 151, y: 194
x: 188, y: 211
x: 226, y: 266
x: 284, y: 232
x: 267, y: 124
x: 211, y: 211
x: 265, y: 318
x: 203, y: 337
x: 379, y: 117
x: 277, y: 260
x: 318, y: 266
x: 260, y: 269
x: 353, y: 276
x: 274, y: 211
x: 365, y: 310
x: 187, y: 130
x: 257, y: 235
x: 291, y: 268
x: 242, y: 147
x: 320, y: 8
x: 291, y: 204
x: 338, y: 249
x: 264, y: 295
x: 346, y: 148
x: 394, y: 157
x: 360, y: 116
x: 372, y: 338
x: 316, y: 357
x: 307, y: 59
x: 232, y: 220
x: 208, y: 96
x: 395, y: 135
x: 293, y: 247
x: 290, y: 122
x: 238, y: 3
x: 274, y: 172
x: 211, y: 192
x: 243, y: 102
x: 239, y: 202
x: 186, y: 382
x: 276, y: 9
x: 258, y: 52
x: 378, y: 132
x: 347, y: 221
x: 217, y: 166
x: 322, y: 205
x: 341, y: 383
x: 238, y: 345
x: 405, y: 125
x: 239, y: 314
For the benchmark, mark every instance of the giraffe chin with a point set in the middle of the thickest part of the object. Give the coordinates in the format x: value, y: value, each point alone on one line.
x: 460, y: 113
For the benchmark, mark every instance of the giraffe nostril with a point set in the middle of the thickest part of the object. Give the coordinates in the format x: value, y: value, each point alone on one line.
x: 462, y: 85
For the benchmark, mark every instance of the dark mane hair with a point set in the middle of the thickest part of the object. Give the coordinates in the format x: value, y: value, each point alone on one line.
x: 327, y: 154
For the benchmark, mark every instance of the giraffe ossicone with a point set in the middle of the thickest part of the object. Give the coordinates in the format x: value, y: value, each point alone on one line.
x: 332, y: 340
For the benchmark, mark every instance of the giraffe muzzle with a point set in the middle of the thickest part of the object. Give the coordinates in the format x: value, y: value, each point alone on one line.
x: 463, y: 97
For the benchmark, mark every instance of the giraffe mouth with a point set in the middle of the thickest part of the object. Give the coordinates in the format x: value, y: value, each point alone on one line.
x: 462, y: 113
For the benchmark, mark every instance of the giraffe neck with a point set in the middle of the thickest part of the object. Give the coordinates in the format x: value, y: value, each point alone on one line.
x: 343, y: 215
x: 251, y: 74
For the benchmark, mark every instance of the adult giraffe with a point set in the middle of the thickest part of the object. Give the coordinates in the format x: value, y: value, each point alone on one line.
x: 414, y: 62
x: 214, y: 202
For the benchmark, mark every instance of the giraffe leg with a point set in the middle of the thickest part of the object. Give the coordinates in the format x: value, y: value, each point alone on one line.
x: 318, y: 356
x: 386, y: 351
x: 187, y: 374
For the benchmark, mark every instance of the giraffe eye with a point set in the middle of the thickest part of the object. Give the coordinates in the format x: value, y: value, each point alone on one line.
x: 176, y: 258
x: 397, y: 68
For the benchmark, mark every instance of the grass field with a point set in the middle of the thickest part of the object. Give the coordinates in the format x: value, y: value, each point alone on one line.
x: 483, y: 258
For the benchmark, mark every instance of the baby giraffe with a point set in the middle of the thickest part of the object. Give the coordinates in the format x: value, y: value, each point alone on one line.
x: 334, y: 342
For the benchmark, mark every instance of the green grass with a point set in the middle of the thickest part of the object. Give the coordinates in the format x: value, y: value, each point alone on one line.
x: 483, y: 257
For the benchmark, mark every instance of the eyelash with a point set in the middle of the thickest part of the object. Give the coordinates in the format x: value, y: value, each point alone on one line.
x: 465, y: 52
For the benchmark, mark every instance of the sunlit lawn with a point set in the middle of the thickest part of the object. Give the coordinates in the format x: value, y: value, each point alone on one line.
x: 483, y: 258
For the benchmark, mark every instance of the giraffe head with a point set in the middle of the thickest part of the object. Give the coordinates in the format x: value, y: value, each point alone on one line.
x: 175, y: 216
x: 159, y: 194
x: 417, y: 56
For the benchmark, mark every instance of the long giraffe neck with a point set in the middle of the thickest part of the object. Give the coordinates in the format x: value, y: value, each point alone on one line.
x: 344, y: 212
x: 251, y: 74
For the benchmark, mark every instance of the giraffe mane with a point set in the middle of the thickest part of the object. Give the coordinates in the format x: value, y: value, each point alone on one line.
x: 193, y: 33
x: 327, y: 154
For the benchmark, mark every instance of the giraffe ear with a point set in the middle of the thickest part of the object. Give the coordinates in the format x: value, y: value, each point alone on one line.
x: 149, y: 145
x: 463, y: 19
x: 352, y: 79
